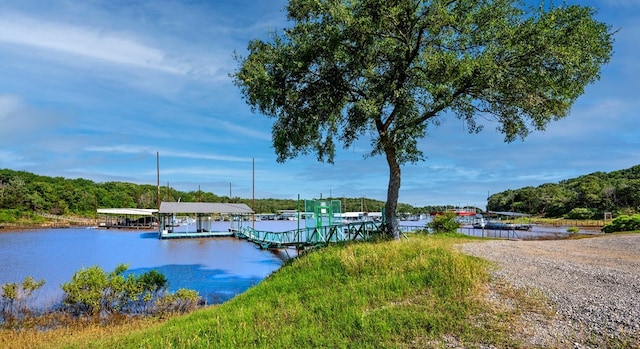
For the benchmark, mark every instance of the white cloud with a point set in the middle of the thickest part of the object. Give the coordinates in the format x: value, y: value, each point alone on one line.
x: 20, y: 120
x: 93, y: 43
x: 123, y: 149
x: 9, y: 104
x: 135, y: 149
x: 206, y: 172
x: 244, y: 130
x: 9, y: 159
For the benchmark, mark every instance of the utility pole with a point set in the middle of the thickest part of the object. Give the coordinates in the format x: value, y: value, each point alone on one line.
x: 253, y: 192
x: 158, y: 177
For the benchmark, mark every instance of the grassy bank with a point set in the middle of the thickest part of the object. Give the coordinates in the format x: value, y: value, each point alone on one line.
x: 415, y: 293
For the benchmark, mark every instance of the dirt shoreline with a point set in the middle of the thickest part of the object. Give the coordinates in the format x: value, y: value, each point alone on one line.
x: 5, y: 227
x: 592, y: 285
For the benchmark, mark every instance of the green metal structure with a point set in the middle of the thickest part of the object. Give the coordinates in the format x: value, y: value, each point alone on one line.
x: 320, y: 213
x: 313, y: 236
x: 323, y: 225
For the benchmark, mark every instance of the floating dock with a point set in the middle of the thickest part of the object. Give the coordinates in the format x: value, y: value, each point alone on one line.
x: 192, y: 235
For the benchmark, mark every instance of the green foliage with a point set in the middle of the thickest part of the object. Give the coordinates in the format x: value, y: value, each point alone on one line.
x: 347, y: 69
x: 93, y: 291
x: 14, y: 298
x: 9, y: 216
x: 573, y: 230
x: 84, y: 292
x: 10, y: 291
x: 580, y: 213
x: 584, y: 197
x: 444, y: 224
x: 20, y: 215
x: 623, y: 223
x: 152, y: 280
x: 183, y: 301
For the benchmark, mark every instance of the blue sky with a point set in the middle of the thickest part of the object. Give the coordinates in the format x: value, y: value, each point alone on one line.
x: 93, y: 89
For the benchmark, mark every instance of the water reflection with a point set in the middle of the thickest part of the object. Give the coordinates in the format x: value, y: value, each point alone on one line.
x: 153, y: 235
x: 214, y: 285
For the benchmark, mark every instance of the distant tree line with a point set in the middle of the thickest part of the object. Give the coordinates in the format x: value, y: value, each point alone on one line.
x: 22, y: 192
x: 584, y: 197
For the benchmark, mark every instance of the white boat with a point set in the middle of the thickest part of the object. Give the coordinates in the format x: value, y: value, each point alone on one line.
x: 494, y: 225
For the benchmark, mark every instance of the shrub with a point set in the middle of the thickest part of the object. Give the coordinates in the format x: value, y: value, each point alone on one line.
x: 573, y: 230
x: 623, y: 223
x: 8, y: 216
x: 581, y: 213
x: 14, y: 298
x: 444, y: 223
x: 182, y: 301
x: 84, y: 293
x: 93, y: 291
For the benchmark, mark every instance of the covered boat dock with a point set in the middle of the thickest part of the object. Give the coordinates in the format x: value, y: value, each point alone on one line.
x: 173, y: 215
x: 127, y: 218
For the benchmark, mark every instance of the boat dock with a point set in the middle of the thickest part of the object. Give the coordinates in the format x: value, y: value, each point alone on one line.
x: 206, y: 234
x: 170, y: 227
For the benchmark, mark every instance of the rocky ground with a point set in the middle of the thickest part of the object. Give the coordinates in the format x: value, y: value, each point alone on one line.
x: 592, y: 286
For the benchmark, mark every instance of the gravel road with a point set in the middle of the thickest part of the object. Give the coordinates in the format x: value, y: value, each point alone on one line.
x: 593, y: 284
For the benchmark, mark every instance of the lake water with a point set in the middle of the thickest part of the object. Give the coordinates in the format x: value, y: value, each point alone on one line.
x: 218, y: 268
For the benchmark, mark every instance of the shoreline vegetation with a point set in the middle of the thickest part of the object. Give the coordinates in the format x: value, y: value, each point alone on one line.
x: 419, y: 292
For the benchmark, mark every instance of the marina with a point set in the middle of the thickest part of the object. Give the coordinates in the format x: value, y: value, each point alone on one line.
x: 320, y: 223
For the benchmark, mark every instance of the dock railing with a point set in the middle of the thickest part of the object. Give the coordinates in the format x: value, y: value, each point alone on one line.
x: 312, y: 236
x: 316, y: 236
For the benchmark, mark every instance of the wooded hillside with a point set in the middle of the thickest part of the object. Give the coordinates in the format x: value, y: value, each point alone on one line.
x: 584, y: 197
x: 24, y: 191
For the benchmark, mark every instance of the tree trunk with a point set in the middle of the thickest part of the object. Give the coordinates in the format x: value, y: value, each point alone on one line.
x: 391, y: 221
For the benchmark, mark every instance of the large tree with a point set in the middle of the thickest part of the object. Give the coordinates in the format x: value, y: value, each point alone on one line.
x: 390, y: 69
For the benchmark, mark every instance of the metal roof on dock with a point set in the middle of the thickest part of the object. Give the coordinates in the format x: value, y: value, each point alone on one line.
x: 128, y: 211
x: 204, y: 208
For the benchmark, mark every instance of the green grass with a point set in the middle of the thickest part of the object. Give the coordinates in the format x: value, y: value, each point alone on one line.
x: 418, y: 292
